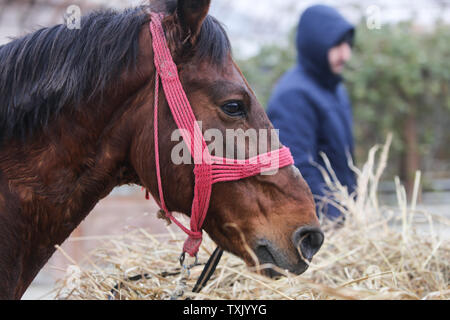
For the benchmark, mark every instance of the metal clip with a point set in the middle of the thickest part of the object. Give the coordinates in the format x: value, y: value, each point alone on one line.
x: 188, y: 267
x: 184, y: 276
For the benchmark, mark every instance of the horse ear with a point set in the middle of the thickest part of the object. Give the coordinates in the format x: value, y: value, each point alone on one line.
x: 191, y: 14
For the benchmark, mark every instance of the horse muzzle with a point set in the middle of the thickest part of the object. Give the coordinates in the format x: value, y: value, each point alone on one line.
x: 307, y: 240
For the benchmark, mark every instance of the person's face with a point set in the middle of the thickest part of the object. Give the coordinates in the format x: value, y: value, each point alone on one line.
x: 338, y: 56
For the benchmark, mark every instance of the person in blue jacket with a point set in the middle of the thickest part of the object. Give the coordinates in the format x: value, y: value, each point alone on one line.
x: 310, y: 105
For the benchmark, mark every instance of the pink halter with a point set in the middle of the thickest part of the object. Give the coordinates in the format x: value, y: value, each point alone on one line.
x: 208, y: 169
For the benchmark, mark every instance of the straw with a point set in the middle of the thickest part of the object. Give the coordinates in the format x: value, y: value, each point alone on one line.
x: 381, y: 252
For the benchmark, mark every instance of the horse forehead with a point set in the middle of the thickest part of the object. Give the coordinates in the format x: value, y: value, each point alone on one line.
x: 207, y: 72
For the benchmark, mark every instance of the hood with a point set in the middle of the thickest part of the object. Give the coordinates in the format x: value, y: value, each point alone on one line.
x: 320, y: 28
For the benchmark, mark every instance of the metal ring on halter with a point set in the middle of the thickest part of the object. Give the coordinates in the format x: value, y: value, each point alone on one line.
x: 182, y: 257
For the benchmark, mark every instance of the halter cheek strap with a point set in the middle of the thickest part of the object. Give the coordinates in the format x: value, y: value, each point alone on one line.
x: 208, y: 169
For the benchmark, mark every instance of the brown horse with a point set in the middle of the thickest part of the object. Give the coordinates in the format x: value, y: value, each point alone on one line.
x: 76, y: 112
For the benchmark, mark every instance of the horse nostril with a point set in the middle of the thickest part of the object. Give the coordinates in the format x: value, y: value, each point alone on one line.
x: 309, y: 240
x: 264, y: 255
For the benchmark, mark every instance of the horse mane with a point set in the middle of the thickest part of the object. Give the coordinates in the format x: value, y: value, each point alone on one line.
x: 55, y: 68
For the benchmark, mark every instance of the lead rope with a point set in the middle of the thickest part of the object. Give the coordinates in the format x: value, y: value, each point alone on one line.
x: 164, y: 213
x: 166, y: 71
x: 208, y: 271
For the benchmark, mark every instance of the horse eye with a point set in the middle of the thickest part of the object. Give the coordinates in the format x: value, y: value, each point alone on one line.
x: 234, y: 109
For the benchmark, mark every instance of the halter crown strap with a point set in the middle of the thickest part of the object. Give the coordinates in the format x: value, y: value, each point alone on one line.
x: 208, y: 169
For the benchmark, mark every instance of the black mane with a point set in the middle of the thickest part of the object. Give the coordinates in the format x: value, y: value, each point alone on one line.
x: 52, y: 68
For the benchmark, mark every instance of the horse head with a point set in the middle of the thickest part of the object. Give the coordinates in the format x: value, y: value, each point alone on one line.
x: 267, y: 218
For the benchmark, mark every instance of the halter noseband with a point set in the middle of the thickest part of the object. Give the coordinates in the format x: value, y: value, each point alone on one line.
x: 208, y: 169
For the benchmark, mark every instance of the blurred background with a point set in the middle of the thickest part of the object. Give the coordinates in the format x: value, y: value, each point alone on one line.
x: 398, y: 80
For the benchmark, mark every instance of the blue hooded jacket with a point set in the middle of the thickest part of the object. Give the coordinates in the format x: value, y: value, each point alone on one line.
x: 310, y: 105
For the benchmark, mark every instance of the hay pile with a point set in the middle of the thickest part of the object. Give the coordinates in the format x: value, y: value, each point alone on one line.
x: 379, y: 253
